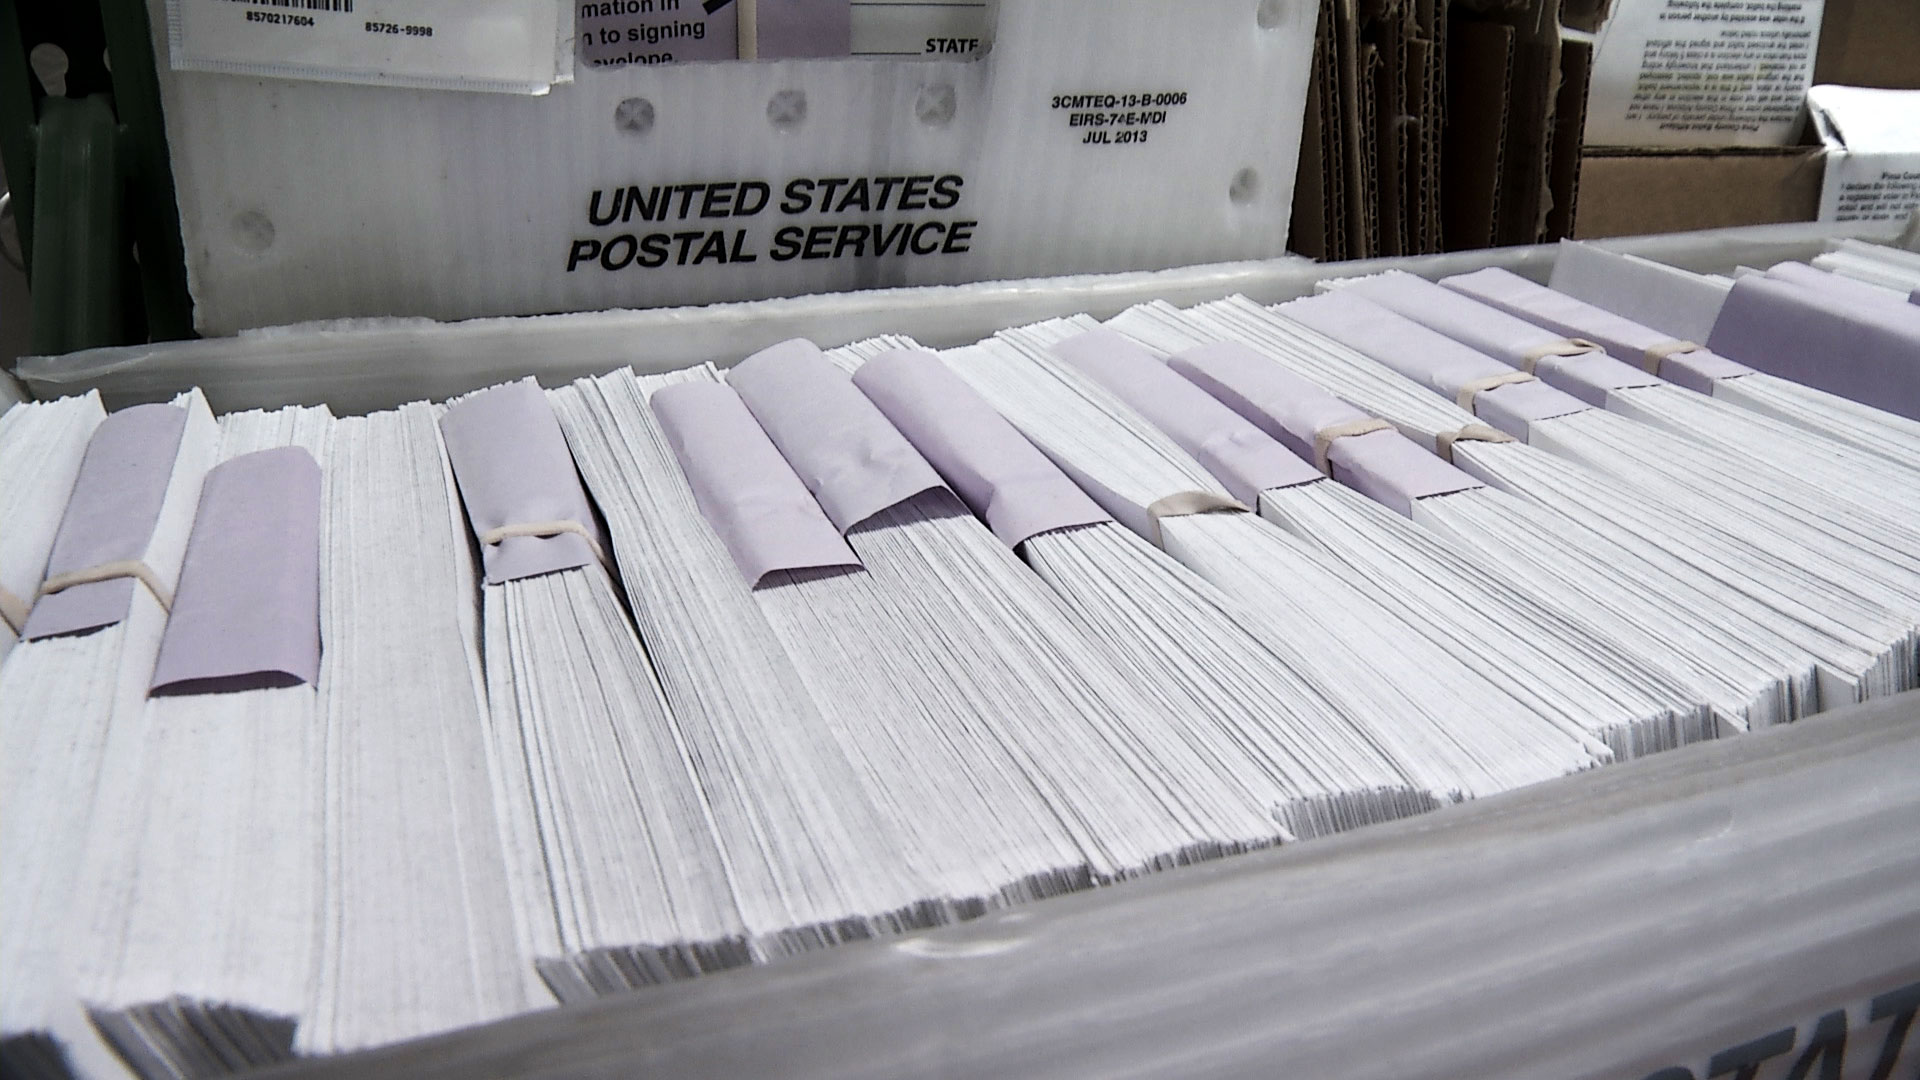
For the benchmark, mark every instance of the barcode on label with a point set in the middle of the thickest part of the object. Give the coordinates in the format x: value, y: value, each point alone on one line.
x: 301, y: 5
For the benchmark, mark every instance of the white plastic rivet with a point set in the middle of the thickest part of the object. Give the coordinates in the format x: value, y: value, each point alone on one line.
x: 634, y: 116
x: 786, y: 109
x: 935, y: 104
x: 252, y: 231
x: 1245, y: 186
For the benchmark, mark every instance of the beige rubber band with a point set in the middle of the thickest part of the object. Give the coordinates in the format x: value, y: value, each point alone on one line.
x: 1471, y: 433
x: 544, y: 529
x: 1472, y: 387
x: 1182, y: 503
x: 13, y: 609
x: 1652, y: 357
x: 1324, y: 438
x: 1572, y: 346
x: 108, y: 571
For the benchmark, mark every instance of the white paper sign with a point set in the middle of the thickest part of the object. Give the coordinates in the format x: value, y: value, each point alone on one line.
x: 1702, y: 72
x: 1873, y: 152
x: 513, y: 46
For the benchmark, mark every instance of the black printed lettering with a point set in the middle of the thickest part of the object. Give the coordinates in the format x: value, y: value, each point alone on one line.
x: 819, y: 238
x: 1827, y: 1045
x: 786, y: 243
x: 799, y: 197
x: 626, y: 245
x: 583, y: 251
x: 916, y: 190
x: 653, y: 251
x: 718, y: 201
x: 855, y: 198
x: 851, y: 236
x: 751, y: 189
x: 828, y: 186
x: 1744, y: 1061
x: 1899, y: 1007
x: 593, y: 208
x: 922, y: 231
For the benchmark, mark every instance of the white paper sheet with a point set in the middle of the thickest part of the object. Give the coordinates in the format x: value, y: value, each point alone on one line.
x: 1702, y: 72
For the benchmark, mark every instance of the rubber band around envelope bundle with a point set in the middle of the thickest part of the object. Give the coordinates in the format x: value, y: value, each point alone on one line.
x: 1530, y: 360
x: 1324, y: 439
x: 13, y: 609
x: 518, y: 484
x: 108, y: 571
x: 1655, y: 355
x: 1443, y: 442
x: 1472, y: 388
x: 1186, y: 504
x: 543, y: 530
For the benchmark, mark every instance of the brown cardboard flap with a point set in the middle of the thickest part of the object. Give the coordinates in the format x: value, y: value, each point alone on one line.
x: 1536, y: 77
x: 1627, y: 194
x: 1869, y: 43
x: 1347, y: 48
x: 1569, y: 119
x: 1367, y: 244
x: 1307, y: 230
x: 1480, y: 73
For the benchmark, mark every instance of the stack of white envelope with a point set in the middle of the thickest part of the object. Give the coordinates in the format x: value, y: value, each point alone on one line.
x: 1793, y: 320
x: 1619, y: 365
x: 1604, y: 596
x: 1449, y: 730
x: 79, y: 675
x: 1867, y: 556
x: 198, y: 892
x: 417, y: 929
x: 1219, y: 684
x: 972, y: 649
x: 1888, y: 267
x: 1702, y: 544
x: 613, y: 863
x: 1541, y: 651
x: 41, y: 443
x: 816, y: 855
x: 1840, y: 603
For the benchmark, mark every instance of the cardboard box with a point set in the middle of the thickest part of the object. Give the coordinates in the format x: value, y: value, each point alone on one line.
x: 1625, y: 192
x: 1870, y: 43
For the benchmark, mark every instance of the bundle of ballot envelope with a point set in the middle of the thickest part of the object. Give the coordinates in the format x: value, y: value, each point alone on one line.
x: 326, y: 732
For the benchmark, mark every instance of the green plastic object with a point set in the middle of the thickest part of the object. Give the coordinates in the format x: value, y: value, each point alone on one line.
x: 75, y: 275
x: 91, y: 182
x: 153, y: 216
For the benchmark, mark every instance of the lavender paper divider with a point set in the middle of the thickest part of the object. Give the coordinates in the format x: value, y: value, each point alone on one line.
x: 1243, y: 458
x: 745, y: 489
x: 110, y: 517
x: 1432, y: 359
x: 513, y: 468
x: 1696, y: 369
x: 1001, y: 476
x: 247, y: 612
x: 1789, y: 331
x: 1589, y: 376
x: 1384, y: 465
x: 844, y: 450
